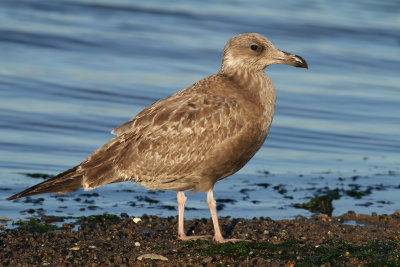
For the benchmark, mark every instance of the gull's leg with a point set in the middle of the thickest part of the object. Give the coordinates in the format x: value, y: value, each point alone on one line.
x: 181, y: 198
x: 212, y: 205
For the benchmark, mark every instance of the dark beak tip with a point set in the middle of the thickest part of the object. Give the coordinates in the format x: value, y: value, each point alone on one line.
x: 293, y: 60
x: 302, y: 63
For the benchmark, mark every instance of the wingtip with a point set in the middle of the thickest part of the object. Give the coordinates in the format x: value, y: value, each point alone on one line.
x: 13, y: 197
x: 24, y: 193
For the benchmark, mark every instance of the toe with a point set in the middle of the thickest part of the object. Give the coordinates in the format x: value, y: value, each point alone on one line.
x: 188, y: 238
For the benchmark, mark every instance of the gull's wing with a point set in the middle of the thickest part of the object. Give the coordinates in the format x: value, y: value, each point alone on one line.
x: 164, y: 146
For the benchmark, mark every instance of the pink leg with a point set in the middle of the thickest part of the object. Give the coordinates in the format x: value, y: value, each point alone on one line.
x: 181, y: 198
x: 213, y: 210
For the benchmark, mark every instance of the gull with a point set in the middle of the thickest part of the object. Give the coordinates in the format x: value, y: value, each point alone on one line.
x: 193, y: 138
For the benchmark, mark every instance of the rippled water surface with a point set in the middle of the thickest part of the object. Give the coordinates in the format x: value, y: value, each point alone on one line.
x: 71, y: 71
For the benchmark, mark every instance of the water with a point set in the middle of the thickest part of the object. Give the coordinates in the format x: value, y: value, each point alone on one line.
x: 71, y: 71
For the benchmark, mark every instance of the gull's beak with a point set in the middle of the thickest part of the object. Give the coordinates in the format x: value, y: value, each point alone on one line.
x: 291, y: 59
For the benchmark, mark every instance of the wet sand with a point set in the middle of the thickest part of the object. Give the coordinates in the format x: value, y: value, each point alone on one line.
x: 106, y: 240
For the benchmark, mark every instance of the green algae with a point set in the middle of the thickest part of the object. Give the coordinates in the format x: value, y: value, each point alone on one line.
x: 335, y: 252
x: 34, y: 225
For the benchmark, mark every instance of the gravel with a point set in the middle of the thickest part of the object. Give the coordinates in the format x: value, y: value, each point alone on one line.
x: 109, y: 240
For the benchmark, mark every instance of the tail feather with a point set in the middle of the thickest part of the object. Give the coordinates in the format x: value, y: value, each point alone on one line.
x: 62, y: 183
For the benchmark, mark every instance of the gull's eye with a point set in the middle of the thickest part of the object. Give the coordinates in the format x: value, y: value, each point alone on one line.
x: 253, y: 47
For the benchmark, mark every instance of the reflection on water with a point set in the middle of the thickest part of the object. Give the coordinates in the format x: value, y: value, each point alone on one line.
x: 70, y: 71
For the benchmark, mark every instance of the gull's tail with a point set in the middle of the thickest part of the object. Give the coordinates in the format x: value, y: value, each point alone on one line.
x: 62, y: 183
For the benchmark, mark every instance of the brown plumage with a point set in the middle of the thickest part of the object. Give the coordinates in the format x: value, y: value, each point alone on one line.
x: 191, y: 139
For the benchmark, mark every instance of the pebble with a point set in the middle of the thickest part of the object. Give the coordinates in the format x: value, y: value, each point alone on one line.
x: 152, y: 256
x: 136, y: 220
x: 207, y: 259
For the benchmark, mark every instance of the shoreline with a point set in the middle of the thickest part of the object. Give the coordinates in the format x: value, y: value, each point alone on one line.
x: 104, y: 240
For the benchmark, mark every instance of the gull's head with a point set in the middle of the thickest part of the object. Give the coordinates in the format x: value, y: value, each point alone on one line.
x: 254, y: 52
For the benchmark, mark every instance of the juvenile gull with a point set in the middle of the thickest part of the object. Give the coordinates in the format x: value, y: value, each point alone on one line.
x: 193, y: 138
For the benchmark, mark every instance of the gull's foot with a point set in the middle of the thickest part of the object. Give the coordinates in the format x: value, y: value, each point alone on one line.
x: 232, y: 240
x: 193, y: 237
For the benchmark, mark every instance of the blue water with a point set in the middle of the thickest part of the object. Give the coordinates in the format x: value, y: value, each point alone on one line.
x: 71, y: 71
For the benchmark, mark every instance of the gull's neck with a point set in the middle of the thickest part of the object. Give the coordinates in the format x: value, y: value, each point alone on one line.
x: 254, y: 81
x: 258, y: 87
